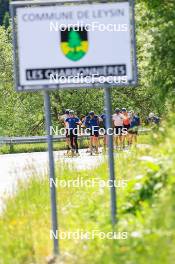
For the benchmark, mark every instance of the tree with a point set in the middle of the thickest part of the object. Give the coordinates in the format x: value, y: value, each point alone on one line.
x: 4, y: 7
x: 6, y: 20
x: 74, y: 40
x: 20, y: 114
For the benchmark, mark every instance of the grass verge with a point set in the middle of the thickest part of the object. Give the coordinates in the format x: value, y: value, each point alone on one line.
x: 146, y: 211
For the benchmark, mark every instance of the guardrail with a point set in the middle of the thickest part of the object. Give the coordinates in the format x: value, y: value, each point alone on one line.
x: 27, y: 140
x: 11, y: 141
x: 43, y: 139
x: 33, y: 139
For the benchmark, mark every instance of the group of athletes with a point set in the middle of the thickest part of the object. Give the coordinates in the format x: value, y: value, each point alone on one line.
x: 125, y: 129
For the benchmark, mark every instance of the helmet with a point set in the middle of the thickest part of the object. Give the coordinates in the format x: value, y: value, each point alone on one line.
x: 123, y: 109
x: 71, y: 112
x: 67, y: 111
x: 91, y: 113
x: 151, y: 115
x: 131, y: 111
x: 117, y: 110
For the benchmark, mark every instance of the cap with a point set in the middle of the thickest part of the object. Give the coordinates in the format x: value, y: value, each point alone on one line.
x: 91, y: 113
x: 131, y: 111
x: 117, y: 110
x: 151, y: 115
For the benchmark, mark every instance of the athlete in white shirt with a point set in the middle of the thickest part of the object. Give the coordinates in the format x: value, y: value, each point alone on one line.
x: 118, y: 124
x: 66, y: 125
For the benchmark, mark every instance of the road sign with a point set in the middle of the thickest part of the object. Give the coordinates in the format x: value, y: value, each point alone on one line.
x: 68, y: 46
x: 93, y: 44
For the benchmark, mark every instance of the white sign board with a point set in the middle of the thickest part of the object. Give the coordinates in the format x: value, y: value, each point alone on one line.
x: 61, y: 45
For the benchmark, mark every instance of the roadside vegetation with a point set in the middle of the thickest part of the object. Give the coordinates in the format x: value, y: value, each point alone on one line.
x: 22, y: 114
x: 145, y: 211
x: 146, y: 207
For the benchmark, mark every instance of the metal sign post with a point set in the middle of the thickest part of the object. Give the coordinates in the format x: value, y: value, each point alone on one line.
x: 108, y: 109
x: 51, y: 173
x: 43, y: 54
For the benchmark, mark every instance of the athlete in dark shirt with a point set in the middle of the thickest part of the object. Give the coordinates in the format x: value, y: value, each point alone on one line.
x: 103, y: 119
x: 134, y: 126
x: 92, y: 122
x: 73, y: 123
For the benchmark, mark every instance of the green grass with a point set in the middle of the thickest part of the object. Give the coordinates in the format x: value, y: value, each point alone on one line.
x: 146, y: 211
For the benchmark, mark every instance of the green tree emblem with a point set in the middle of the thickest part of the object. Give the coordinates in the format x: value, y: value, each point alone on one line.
x: 74, y: 42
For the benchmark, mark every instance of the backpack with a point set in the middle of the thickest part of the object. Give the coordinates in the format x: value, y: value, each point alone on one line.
x: 135, y: 121
x: 126, y: 120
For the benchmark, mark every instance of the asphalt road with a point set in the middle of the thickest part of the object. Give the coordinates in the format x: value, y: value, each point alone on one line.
x: 14, y: 167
